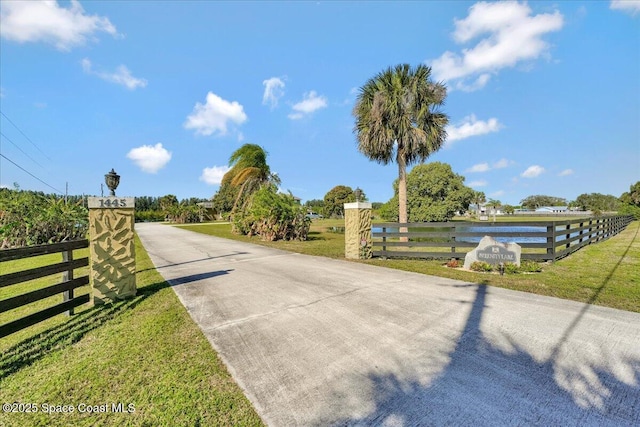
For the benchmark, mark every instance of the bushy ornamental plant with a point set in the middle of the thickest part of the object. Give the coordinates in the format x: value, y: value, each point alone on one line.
x: 481, y: 266
x: 28, y: 218
x: 185, y: 213
x: 149, y: 216
x: 272, y: 216
x: 453, y: 263
x: 528, y: 266
x: 510, y: 268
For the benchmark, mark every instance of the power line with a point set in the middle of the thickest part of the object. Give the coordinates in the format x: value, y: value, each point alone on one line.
x: 17, y: 165
x: 23, y: 134
x: 21, y: 150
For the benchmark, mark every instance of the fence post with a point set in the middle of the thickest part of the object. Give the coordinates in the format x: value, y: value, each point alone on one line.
x: 568, y: 236
x: 67, y: 256
x: 453, y: 240
x: 551, y: 241
x: 600, y: 228
x: 384, y: 239
x: 581, y: 232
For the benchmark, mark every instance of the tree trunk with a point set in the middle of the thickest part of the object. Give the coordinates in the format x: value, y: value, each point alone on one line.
x: 402, y: 197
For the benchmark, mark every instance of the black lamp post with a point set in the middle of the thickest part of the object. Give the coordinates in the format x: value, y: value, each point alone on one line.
x: 112, y: 179
x: 358, y: 193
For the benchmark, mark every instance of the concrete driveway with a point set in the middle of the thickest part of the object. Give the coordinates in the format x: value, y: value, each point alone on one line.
x: 315, y: 341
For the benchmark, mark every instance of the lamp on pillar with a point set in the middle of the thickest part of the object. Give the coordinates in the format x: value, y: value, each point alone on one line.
x: 112, y: 179
x: 358, y: 193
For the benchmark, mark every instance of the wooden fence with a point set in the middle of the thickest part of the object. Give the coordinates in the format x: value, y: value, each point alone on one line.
x: 540, y: 240
x: 66, y: 286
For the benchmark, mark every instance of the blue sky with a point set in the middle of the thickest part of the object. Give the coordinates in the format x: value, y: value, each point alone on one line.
x: 543, y: 97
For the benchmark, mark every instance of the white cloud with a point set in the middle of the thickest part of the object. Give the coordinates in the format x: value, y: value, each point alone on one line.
x: 484, y: 167
x: 477, y: 184
x: 46, y: 21
x: 480, y: 167
x: 150, y: 158
x: 479, y: 83
x: 629, y: 6
x: 310, y: 102
x: 471, y: 126
x: 566, y: 172
x: 295, y: 116
x: 273, y: 91
x: 122, y: 75
x: 214, y: 116
x: 532, y: 171
x: 511, y: 35
x: 497, y: 193
x: 213, y: 175
x: 501, y: 164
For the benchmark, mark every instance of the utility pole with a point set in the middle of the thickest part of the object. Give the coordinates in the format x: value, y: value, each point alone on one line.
x: 101, y: 190
x: 66, y: 191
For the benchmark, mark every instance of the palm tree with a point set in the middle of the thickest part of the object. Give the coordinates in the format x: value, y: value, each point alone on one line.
x: 478, y: 199
x: 249, y: 171
x: 397, y: 120
x: 494, y: 203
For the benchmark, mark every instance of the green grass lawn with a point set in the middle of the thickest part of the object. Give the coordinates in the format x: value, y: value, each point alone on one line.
x: 321, y: 242
x: 145, y: 351
x: 606, y: 273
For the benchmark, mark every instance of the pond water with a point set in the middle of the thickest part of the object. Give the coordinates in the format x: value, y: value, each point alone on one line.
x: 487, y: 230
x: 490, y: 230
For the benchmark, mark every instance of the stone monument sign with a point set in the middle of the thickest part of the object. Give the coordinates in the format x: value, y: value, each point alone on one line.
x: 492, y: 252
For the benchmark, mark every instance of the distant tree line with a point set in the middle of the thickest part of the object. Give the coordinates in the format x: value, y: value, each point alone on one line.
x: 597, y: 203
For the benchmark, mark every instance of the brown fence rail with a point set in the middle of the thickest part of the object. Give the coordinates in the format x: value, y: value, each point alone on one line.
x: 540, y: 240
x: 66, y: 286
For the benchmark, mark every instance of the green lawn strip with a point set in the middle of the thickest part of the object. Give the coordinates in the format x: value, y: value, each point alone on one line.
x: 22, y: 288
x: 320, y: 242
x: 606, y: 273
x: 145, y: 351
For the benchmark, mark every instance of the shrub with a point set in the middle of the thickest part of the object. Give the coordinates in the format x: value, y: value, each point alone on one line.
x: 528, y: 266
x: 272, y: 216
x: 151, y: 216
x: 453, y: 263
x: 29, y: 218
x: 481, y: 266
x: 510, y: 268
x: 185, y: 213
x: 630, y: 210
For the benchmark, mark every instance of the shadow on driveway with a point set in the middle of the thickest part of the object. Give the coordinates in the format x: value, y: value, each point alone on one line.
x: 196, y: 277
x: 582, y: 394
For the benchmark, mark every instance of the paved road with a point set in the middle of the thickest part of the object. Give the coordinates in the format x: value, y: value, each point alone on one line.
x: 314, y: 341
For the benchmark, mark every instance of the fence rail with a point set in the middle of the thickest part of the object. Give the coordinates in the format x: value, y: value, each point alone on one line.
x: 540, y: 240
x: 65, y: 287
